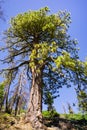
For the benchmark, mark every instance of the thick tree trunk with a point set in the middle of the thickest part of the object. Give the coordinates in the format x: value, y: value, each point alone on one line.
x: 34, y: 115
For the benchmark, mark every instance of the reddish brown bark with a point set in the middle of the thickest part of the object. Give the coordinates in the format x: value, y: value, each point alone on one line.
x: 34, y: 115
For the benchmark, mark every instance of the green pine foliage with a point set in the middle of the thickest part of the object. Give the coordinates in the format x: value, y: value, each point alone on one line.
x: 1, y: 93
x: 82, y: 101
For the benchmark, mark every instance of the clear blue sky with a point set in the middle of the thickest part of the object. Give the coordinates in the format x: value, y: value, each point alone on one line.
x: 78, y: 29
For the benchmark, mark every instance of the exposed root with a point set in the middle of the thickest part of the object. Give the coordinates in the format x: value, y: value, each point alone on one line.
x: 35, y: 121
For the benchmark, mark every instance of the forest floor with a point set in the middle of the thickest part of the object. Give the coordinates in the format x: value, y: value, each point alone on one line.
x: 9, y: 122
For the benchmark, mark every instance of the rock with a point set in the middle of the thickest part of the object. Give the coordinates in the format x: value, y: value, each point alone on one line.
x: 65, y: 126
x: 2, y: 126
x: 21, y: 126
x: 53, y: 128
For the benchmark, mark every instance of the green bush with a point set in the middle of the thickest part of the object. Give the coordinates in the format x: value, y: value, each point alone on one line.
x: 85, y: 116
x: 75, y: 117
x: 1, y: 93
x: 50, y: 114
x: 78, y: 116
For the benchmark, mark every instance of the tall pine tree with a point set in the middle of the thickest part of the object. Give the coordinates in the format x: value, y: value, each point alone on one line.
x: 39, y: 41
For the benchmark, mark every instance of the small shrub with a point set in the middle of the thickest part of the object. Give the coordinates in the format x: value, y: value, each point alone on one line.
x: 85, y: 116
x: 78, y: 116
x: 6, y: 116
x: 50, y: 114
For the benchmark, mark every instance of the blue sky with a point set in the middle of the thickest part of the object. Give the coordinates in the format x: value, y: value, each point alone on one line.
x: 78, y: 29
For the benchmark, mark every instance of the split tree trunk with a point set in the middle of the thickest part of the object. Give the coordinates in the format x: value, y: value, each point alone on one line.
x: 34, y: 115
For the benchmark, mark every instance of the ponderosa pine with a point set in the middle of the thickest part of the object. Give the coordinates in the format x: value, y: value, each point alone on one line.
x: 39, y: 41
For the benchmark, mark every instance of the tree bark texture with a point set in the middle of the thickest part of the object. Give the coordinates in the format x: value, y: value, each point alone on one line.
x: 34, y: 115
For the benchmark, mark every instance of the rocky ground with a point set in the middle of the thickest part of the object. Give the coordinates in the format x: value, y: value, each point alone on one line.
x: 8, y: 122
x: 64, y: 124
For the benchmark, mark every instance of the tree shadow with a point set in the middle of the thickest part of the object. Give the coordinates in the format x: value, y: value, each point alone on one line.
x: 66, y: 123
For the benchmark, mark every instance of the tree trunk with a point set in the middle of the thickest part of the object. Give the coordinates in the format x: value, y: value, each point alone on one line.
x: 34, y: 115
x: 16, y: 107
x: 6, y: 99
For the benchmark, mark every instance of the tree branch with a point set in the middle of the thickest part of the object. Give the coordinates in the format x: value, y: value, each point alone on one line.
x: 16, y: 67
